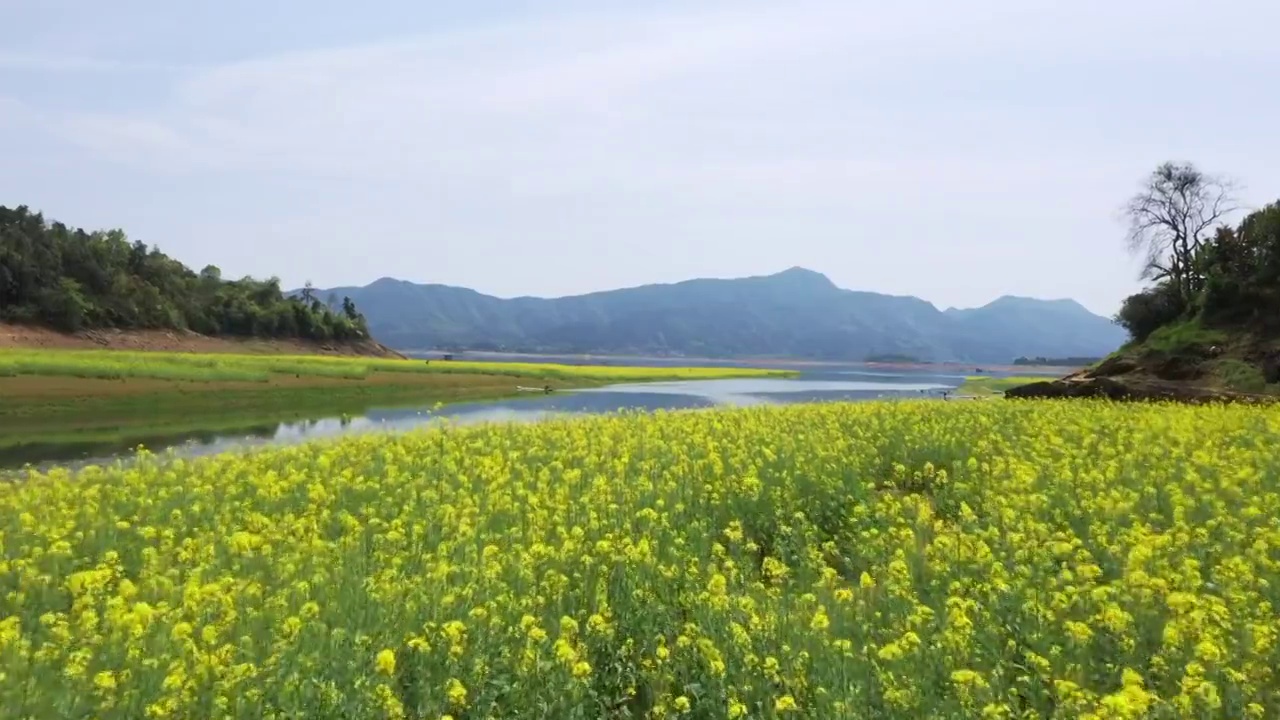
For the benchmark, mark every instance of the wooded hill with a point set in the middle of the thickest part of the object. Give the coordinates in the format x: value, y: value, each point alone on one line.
x: 1208, y: 324
x: 72, y: 279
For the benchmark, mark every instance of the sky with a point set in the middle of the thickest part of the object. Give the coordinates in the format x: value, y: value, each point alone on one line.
x: 956, y: 151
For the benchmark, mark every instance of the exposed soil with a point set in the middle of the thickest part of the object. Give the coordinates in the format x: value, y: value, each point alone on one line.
x: 24, y: 336
x: 1117, y: 390
x: 1130, y: 384
x: 1195, y: 364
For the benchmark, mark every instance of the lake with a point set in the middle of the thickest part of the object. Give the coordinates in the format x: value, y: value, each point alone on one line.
x: 814, y: 384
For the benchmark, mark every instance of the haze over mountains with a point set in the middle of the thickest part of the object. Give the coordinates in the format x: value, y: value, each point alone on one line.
x: 796, y: 313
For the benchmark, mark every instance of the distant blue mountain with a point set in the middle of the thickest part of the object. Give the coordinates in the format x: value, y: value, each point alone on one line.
x: 796, y: 313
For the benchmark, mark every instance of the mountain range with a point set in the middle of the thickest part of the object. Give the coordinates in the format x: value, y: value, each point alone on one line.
x: 796, y: 313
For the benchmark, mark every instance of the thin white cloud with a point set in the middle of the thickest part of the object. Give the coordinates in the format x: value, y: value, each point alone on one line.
x: 605, y: 89
x: 122, y: 138
x: 643, y: 99
x: 735, y: 137
x: 74, y: 64
x: 453, y: 102
x: 13, y: 111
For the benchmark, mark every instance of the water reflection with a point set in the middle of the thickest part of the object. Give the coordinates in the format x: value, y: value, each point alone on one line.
x: 814, y: 385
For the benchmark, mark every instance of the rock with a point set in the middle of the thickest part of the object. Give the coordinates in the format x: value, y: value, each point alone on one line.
x: 1077, y: 387
x: 1111, y: 389
x: 1271, y: 368
x: 1045, y: 389
x: 1113, y: 366
x: 1178, y: 367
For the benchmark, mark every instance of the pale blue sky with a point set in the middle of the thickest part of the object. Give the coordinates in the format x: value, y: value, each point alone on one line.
x: 956, y: 151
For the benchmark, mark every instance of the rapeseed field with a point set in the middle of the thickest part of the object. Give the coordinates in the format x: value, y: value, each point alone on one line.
x: 877, y: 560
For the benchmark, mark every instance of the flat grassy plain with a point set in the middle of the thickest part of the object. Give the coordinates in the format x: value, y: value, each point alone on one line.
x: 879, y: 560
x: 69, y: 390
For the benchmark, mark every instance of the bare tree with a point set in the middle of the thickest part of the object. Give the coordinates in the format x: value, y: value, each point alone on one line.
x: 1172, y: 217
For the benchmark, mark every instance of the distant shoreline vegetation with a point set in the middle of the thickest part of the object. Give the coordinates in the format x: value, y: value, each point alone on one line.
x: 1058, y: 362
x: 894, y: 358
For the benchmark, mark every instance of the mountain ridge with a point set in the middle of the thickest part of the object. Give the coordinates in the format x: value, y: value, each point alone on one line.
x: 388, y: 280
x: 796, y: 312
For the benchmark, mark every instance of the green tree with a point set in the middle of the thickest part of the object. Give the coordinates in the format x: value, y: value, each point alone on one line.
x: 1145, y: 312
x: 71, y: 279
x: 63, y: 305
x: 1242, y: 270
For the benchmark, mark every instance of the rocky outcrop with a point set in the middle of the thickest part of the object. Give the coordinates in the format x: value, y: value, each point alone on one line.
x: 1271, y: 367
x: 1086, y: 385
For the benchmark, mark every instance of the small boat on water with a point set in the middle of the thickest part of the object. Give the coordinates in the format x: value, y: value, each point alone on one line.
x: 545, y: 389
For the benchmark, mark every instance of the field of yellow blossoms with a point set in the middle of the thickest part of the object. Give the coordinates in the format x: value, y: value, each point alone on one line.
x: 876, y: 560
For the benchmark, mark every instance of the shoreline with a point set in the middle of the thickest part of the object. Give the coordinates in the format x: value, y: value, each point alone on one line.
x: 38, y: 403
x: 71, y: 390
x: 479, y: 355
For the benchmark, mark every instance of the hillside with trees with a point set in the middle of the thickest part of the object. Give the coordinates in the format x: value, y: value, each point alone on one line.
x: 1208, y: 323
x: 71, y: 280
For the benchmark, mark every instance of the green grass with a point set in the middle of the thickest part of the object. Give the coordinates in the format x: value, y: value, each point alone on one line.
x: 20, y: 363
x: 1184, y: 348
x: 69, y: 428
x: 91, y: 410
x: 983, y: 385
x: 1240, y: 376
x: 1183, y: 335
x: 196, y: 367
x: 115, y: 397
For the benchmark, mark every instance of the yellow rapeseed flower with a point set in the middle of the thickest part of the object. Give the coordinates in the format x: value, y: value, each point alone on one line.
x: 456, y: 692
x: 385, y: 662
x: 987, y: 559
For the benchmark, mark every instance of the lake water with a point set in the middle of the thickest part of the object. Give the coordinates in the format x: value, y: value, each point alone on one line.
x: 815, y: 384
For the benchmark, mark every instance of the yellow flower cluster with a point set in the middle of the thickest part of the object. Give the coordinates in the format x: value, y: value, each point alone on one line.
x: 910, y: 559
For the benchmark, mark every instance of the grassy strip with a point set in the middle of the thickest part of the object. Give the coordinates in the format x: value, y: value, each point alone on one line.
x: 121, y: 398
x: 75, y: 389
x: 982, y: 385
x: 115, y: 369
x: 89, y: 403
x: 223, y: 367
x: 84, y: 426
